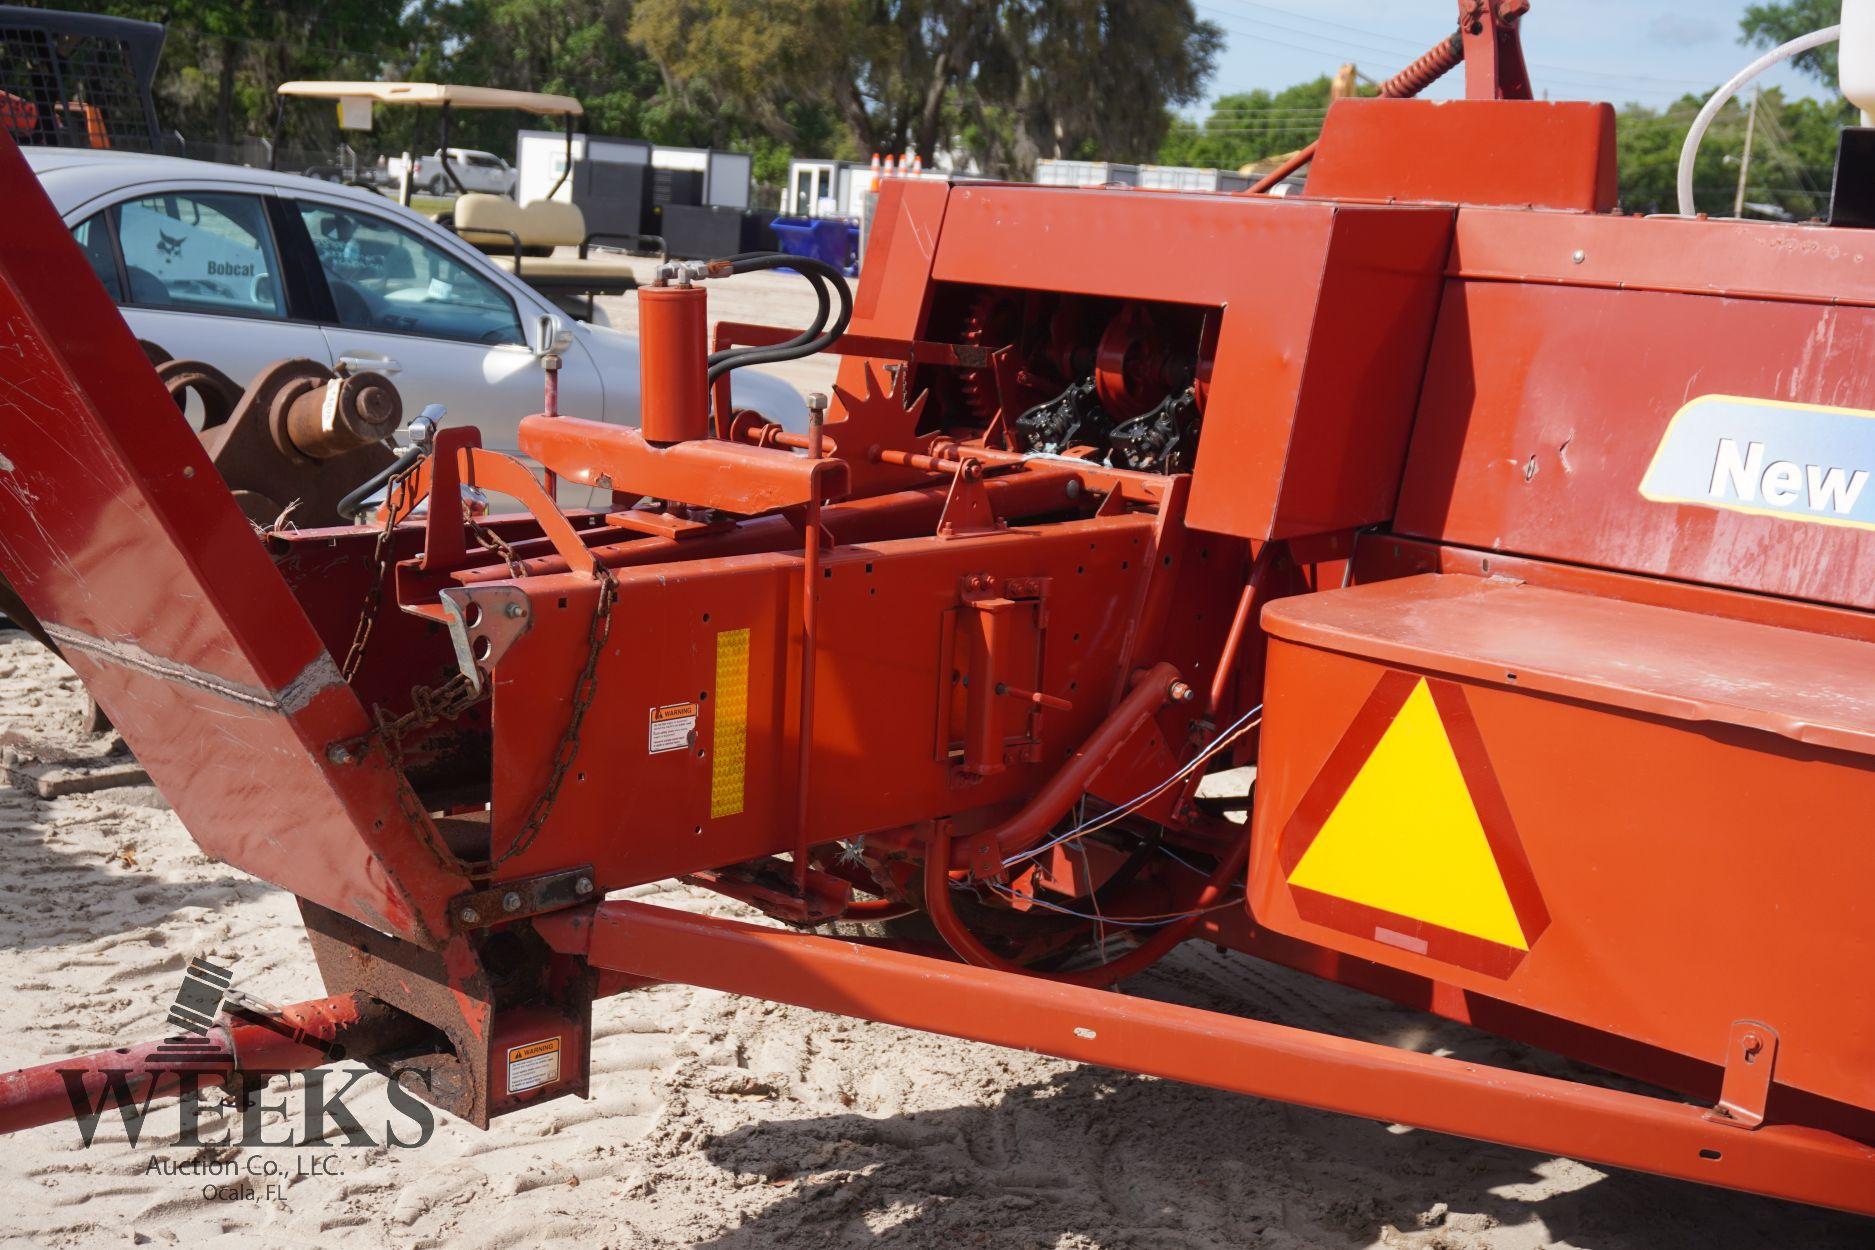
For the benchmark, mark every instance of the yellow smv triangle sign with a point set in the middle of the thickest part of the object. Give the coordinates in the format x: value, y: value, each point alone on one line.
x: 1405, y: 837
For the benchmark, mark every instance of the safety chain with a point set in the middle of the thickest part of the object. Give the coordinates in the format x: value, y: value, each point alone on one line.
x: 494, y: 542
x: 381, y: 555
x: 429, y: 705
x: 583, y: 693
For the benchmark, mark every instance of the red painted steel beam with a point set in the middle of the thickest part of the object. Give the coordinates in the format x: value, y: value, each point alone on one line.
x: 1224, y: 1052
x: 305, y: 1035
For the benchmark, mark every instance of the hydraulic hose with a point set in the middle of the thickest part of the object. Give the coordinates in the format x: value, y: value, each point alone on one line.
x: 820, y: 336
x: 813, y: 331
x: 1689, y: 150
x: 353, y: 502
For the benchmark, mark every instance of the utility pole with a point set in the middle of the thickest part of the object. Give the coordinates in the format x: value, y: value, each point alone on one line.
x: 1744, y: 162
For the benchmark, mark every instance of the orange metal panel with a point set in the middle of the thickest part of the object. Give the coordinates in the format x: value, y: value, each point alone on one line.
x: 1321, y: 344
x: 892, y: 300
x: 878, y: 691
x: 1544, y: 406
x: 1547, y: 155
x: 1695, y: 872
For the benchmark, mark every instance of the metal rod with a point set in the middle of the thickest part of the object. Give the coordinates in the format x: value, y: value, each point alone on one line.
x: 1239, y: 626
x: 1220, y: 1051
x: 810, y: 595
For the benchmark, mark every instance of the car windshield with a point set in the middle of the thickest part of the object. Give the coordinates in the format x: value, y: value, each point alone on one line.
x: 383, y: 277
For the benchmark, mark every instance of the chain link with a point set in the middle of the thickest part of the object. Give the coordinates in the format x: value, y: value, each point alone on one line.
x: 382, y: 555
x: 430, y: 705
x: 583, y: 693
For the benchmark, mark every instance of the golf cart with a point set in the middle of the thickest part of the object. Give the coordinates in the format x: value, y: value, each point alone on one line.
x: 522, y: 238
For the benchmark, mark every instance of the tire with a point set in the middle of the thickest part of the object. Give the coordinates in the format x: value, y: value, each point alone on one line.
x: 439, y: 185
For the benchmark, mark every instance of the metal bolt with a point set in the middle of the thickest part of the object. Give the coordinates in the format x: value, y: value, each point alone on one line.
x: 1579, y: 256
x: 338, y: 753
x: 514, y: 611
x: 469, y: 915
x: 188, y: 470
x: 583, y: 886
x: 1181, y: 693
x: 511, y: 901
x: 816, y: 405
x: 1752, y: 1044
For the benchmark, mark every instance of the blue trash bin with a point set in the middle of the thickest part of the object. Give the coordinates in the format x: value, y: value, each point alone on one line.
x: 834, y: 240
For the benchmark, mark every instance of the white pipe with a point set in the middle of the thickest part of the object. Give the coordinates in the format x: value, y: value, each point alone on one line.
x: 1689, y: 152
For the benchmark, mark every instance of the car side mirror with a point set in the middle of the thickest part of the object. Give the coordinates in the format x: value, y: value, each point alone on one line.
x: 552, y: 336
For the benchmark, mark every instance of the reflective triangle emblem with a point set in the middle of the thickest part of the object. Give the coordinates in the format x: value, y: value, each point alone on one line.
x: 1405, y: 839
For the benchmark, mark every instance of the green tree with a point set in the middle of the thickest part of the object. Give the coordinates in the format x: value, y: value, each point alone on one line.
x: 1793, y: 155
x: 1010, y: 79
x: 1768, y: 25
x: 1249, y: 126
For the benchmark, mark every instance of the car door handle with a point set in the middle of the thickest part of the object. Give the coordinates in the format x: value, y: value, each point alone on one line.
x: 371, y: 364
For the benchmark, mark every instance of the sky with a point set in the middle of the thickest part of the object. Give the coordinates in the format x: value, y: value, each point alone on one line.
x: 1646, y: 51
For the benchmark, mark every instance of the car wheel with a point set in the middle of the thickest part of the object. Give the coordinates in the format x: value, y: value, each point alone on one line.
x: 439, y: 185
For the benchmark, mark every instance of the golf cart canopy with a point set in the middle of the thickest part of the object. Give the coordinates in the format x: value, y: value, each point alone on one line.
x: 435, y: 95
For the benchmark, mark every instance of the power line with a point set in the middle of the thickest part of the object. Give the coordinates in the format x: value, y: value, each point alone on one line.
x: 1413, y: 50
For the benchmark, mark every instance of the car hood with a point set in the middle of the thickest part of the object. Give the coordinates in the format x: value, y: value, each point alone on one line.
x: 616, y: 356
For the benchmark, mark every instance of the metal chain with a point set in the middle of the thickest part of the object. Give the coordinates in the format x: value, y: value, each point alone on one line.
x: 374, y: 597
x: 493, y: 542
x: 583, y: 694
x: 432, y: 704
x: 429, y: 705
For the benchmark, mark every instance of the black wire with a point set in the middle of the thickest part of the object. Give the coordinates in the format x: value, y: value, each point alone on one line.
x: 819, y: 335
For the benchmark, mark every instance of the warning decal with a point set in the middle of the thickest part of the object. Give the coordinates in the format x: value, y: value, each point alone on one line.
x: 730, y: 735
x: 1405, y: 838
x: 533, y: 1065
x: 671, y: 727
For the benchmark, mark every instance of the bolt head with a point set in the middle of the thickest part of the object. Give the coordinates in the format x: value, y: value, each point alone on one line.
x: 1752, y: 1043
x: 1579, y: 256
x: 511, y: 901
x: 339, y: 754
x: 583, y: 886
x: 514, y: 611
x: 469, y: 915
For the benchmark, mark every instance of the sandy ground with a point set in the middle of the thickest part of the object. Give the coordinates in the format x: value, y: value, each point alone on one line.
x: 740, y: 1125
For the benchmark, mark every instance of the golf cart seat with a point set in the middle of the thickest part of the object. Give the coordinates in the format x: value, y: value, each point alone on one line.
x: 522, y: 238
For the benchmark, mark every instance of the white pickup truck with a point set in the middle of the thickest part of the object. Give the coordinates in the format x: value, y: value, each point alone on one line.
x: 476, y: 171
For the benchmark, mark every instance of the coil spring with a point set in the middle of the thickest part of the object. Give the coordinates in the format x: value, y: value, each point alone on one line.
x: 1428, y: 69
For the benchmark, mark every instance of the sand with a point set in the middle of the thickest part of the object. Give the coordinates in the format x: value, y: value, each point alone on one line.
x: 741, y: 1125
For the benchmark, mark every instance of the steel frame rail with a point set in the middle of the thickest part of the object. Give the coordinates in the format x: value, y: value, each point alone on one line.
x: 1224, y: 1052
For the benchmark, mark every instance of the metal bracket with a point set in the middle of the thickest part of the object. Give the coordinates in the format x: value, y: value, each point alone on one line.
x: 484, y: 621
x: 516, y: 900
x: 1750, y: 1062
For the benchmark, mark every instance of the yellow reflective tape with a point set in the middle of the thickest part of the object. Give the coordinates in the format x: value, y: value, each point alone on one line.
x: 730, y: 758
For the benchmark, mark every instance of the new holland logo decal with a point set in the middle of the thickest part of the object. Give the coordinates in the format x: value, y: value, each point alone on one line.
x: 1800, y: 462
